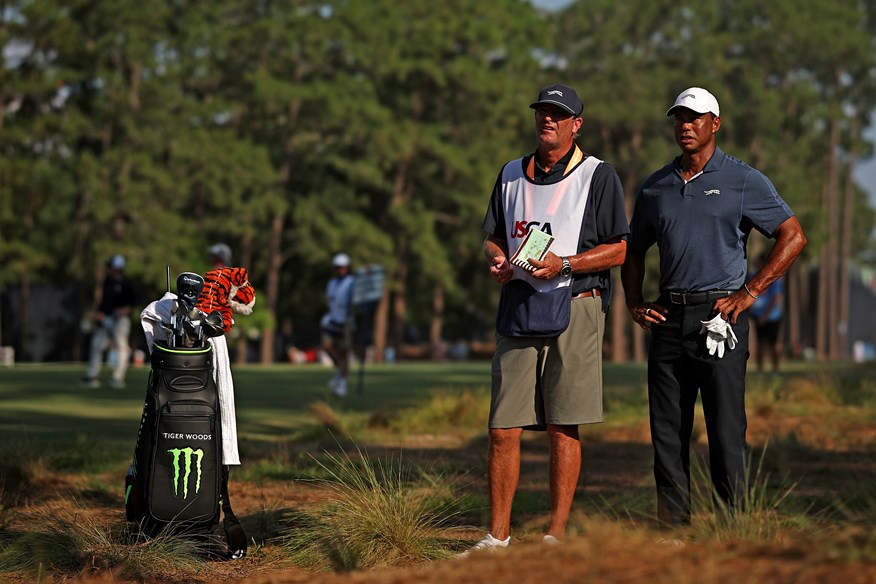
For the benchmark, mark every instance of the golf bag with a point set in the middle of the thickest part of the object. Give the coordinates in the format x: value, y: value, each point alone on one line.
x: 176, y: 477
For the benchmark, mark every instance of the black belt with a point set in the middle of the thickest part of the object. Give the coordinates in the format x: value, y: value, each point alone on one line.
x: 697, y: 297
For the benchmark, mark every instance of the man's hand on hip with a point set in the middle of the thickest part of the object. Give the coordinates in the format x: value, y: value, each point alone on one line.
x: 646, y: 314
x: 732, y: 306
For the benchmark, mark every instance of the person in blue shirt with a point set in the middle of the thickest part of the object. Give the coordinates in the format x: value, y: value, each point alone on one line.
x: 700, y: 209
x: 337, y: 322
x: 767, y: 312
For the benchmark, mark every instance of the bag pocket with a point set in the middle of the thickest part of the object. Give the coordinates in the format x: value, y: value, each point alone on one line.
x: 526, y: 312
x: 184, y: 478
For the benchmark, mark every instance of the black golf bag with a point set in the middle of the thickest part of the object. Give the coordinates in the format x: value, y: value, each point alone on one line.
x: 177, y: 478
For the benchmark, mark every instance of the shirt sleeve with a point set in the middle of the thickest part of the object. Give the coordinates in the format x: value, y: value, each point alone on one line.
x: 494, y: 220
x: 608, y: 198
x: 642, y: 235
x: 763, y: 208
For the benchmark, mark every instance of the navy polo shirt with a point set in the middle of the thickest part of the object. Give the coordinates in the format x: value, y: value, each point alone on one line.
x: 701, y: 227
x: 605, y: 216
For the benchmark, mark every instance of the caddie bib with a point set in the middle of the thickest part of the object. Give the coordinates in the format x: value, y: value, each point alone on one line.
x: 528, y: 306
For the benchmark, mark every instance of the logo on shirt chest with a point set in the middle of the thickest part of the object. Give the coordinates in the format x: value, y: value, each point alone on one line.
x: 521, y: 227
x: 712, y: 192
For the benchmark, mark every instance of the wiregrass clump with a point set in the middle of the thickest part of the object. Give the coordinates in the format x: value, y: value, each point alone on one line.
x: 379, y: 517
x: 74, y: 543
x: 759, y: 519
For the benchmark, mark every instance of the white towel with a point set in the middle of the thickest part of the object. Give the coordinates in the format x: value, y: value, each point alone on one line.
x: 159, y: 312
x: 222, y: 376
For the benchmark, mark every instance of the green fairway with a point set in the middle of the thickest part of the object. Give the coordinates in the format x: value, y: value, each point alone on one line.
x: 44, y: 405
x: 44, y: 410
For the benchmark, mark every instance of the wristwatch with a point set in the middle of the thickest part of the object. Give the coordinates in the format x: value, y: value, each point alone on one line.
x: 566, y: 270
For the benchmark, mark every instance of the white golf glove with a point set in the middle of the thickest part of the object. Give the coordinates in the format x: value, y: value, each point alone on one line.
x: 718, y: 333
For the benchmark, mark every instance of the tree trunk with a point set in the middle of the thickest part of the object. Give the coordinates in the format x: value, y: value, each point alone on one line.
x: 826, y: 329
x: 640, y: 353
x: 621, y: 323
x: 400, y: 196
x: 845, y: 243
x: 399, y: 304
x: 795, y: 280
x: 381, y: 326
x: 792, y: 331
x: 275, y: 254
x: 275, y: 262
x: 437, y: 322
x: 845, y: 252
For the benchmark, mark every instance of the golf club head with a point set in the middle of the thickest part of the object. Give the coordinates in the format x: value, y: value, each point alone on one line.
x: 196, y: 315
x: 173, y: 330
x: 168, y: 333
x: 213, y: 325
x: 188, y: 288
x: 192, y: 333
x: 177, y: 325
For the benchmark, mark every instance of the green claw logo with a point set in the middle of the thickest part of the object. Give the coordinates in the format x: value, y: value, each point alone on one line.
x: 186, y: 454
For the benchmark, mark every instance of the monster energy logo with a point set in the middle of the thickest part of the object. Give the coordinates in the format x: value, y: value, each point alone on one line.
x: 185, y: 454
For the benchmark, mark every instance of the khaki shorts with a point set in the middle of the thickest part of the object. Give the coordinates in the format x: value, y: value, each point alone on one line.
x: 556, y: 380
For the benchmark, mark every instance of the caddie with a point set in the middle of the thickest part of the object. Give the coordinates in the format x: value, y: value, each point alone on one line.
x: 547, y: 368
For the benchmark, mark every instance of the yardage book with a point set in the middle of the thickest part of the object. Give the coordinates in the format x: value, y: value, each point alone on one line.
x: 535, y: 245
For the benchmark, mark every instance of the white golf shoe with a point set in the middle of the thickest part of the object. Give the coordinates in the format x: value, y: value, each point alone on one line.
x: 489, y: 544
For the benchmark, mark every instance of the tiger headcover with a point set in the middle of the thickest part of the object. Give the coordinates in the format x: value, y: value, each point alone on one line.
x: 227, y: 290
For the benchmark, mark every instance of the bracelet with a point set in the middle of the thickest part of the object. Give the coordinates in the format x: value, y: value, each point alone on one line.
x: 749, y: 291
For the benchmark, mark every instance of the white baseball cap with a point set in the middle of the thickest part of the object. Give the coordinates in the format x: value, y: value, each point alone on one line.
x: 221, y: 251
x: 341, y: 260
x: 696, y: 99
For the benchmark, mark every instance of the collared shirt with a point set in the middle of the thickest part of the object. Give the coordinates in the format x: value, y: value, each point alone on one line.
x: 702, y: 226
x: 555, y: 174
x: 605, y: 216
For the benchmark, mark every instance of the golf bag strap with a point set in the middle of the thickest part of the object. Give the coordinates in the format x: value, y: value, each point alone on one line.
x: 234, y: 533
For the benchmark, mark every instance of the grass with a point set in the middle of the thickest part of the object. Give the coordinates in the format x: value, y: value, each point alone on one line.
x: 380, y: 516
x: 759, y: 519
x: 404, y: 501
x: 461, y: 413
x: 74, y: 542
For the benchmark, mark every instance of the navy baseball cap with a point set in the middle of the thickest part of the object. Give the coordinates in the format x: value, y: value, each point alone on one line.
x: 561, y: 96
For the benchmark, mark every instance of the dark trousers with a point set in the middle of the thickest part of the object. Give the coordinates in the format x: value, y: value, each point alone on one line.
x: 679, y: 365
